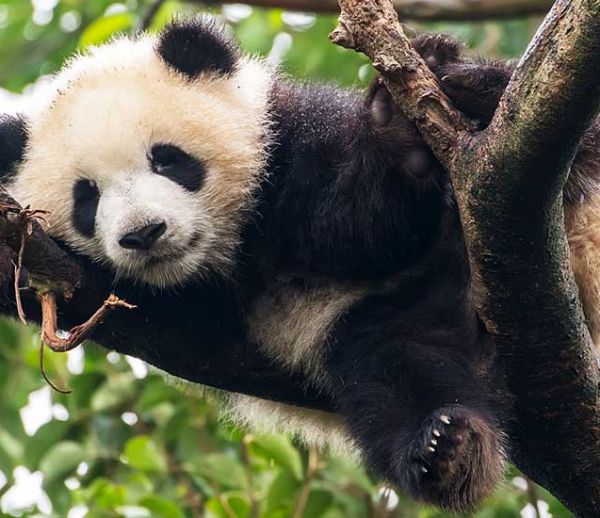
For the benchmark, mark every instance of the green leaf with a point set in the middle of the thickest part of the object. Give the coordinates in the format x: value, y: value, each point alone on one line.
x: 161, y: 507
x: 10, y: 445
x: 113, y: 393
x: 42, y: 441
x: 142, y: 453
x: 220, y: 469
x: 103, y: 494
x: 282, y: 494
x: 102, y: 29
x: 318, y: 502
x: 61, y: 460
x: 229, y: 506
x: 279, y: 449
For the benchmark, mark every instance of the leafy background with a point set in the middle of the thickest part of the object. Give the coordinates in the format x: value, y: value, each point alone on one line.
x: 125, y: 442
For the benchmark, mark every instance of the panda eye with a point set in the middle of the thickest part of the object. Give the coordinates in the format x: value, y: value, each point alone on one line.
x: 86, y: 196
x: 176, y: 165
x: 85, y: 190
x: 165, y: 156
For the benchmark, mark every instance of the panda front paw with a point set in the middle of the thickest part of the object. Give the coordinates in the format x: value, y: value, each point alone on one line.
x: 438, y: 49
x: 475, y: 88
x: 456, y: 459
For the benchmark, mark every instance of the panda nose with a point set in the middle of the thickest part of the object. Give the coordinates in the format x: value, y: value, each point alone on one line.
x: 144, y: 238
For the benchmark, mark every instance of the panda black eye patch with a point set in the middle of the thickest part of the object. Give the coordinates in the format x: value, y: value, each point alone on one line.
x: 176, y: 165
x: 86, y: 197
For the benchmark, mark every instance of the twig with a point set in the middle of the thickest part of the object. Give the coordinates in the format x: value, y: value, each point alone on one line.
x: 192, y: 497
x: 254, y: 505
x: 53, y: 386
x: 18, y: 271
x: 227, y: 507
x: 534, y: 498
x: 26, y: 217
x: 76, y: 335
x: 311, y: 471
x: 150, y: 14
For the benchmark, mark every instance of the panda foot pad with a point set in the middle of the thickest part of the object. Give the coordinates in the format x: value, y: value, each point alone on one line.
x: 456, y: 459
x: 445, y: 441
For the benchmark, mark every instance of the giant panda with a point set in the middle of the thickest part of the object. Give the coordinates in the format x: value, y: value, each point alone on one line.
x: 317, y: 223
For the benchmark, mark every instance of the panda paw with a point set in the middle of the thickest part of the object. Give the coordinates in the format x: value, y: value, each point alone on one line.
x: 438, y: 49
x: 456, y: 460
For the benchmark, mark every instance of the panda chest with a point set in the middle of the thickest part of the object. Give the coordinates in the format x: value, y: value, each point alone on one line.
x: 291, y: 321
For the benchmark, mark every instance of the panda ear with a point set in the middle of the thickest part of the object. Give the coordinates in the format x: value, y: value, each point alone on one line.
x: 13, y: 140
x: 193, y: 46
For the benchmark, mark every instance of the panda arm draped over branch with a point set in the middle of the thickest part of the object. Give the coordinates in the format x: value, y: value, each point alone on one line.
x: 299, y: 220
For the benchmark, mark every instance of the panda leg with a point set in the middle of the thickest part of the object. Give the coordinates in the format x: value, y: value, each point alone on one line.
x: 423, y: 421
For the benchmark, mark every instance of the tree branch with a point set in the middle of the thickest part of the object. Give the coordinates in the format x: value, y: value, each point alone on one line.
x: 46, y: 263
x: 520, y: 255
x: 145, y: 332
x: 422, y: 10
x: 508, y: 183
x: 373, y: 28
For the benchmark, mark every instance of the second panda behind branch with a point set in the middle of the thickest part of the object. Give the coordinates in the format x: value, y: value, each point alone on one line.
x: 320, y: 220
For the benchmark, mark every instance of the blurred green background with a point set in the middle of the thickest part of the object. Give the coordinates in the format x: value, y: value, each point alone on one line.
x: 127, y: 443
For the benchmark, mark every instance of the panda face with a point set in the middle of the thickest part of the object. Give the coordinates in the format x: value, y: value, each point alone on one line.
x: 150, y: 165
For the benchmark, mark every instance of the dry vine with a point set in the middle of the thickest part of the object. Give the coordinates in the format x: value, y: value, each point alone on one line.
x: 24, y: 220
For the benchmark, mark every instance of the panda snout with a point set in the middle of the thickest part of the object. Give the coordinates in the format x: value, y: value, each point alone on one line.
x: 143, y: 238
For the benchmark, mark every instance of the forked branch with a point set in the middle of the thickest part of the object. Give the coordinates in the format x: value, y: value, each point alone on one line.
x: 508, y: 183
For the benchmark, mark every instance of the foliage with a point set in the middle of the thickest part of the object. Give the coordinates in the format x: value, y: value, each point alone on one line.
x: 127, y: 443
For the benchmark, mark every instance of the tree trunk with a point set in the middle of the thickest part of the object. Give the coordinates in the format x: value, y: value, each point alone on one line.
x: 508, y: 182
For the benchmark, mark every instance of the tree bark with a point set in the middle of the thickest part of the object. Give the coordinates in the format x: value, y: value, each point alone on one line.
x: 421, y: 10
x: 508, y: 183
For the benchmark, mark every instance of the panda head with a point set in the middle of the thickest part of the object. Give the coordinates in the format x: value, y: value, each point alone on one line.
x: 147, y: 152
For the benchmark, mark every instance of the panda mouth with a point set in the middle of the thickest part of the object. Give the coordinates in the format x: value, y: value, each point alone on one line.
x: 157, y: 260
x: 160, y: 259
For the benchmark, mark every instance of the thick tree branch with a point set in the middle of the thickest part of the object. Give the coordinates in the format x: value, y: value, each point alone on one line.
x: 162, y: 337
x: 420, y: 9
x: 508, y: 182
x: 45, y: 262
x: 513, y: 220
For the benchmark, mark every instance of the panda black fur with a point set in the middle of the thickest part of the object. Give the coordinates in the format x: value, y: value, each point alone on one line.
x: 298, y: 219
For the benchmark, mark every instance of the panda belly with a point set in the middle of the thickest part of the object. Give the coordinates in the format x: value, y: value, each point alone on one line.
x: 291, y: 321
x: 583, y: 232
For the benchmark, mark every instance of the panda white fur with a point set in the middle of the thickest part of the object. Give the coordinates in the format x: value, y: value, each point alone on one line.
x: 302, y: 220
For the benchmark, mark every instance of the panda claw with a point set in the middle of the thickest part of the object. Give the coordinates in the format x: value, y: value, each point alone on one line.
x: 424, y: 469
x: 433, y: 442
x: 437, y: 433
x: 445, y: 419
x: 431, y: 449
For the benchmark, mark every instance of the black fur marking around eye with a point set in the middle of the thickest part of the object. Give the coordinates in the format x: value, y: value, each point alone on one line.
x: 13, y: 139
x: 86, y: 197
x: 176, y: 165
x: 195, y: 46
